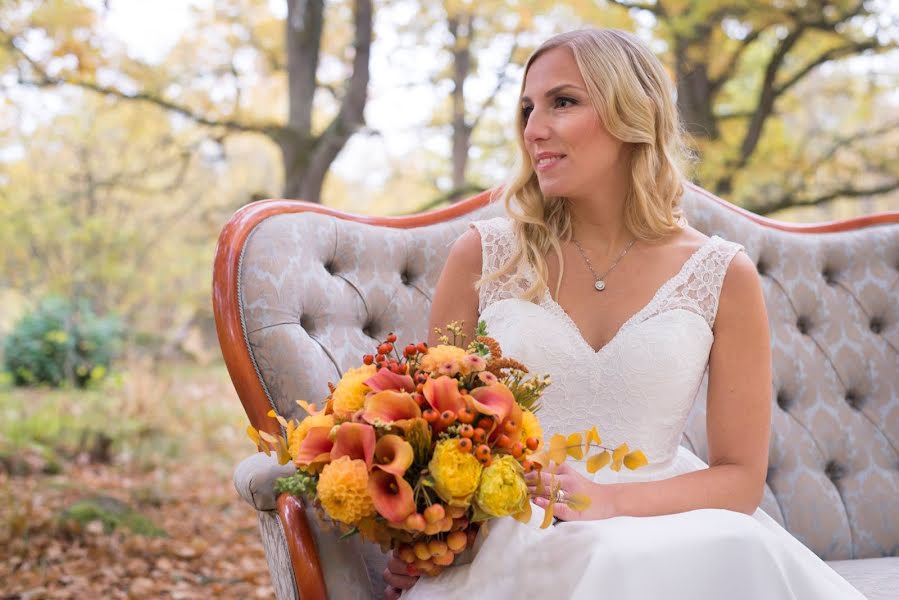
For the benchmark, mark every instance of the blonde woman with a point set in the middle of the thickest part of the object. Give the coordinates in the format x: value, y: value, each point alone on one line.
x: 594, y: 276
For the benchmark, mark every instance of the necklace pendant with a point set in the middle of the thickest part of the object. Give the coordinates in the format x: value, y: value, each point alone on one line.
x: 600, y: 285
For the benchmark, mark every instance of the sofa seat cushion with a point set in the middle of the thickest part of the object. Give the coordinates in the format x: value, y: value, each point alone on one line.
x: 876, y: 578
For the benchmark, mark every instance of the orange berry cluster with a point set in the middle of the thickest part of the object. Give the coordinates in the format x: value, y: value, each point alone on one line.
x: 451, y: 530
x: 395, y: 364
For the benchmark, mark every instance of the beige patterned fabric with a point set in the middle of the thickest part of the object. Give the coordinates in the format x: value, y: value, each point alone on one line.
x: 317, y: 293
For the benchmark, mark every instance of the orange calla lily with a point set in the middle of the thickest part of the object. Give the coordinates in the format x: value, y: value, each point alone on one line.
x: 385, y: 379
x: 315, y: 447
x: 356, y: 440
x: 443, y: 394
x: 393, y: 454
x: 389, y: 406
x: 391, y: 495
x: 496, y: 400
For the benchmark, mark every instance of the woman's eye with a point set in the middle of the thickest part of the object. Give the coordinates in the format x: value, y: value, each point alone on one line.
x: 526, y: 112
x: 563, y: 102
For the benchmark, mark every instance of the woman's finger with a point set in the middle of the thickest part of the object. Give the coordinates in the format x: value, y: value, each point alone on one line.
x: 391, y: 593
x: 403, y: 582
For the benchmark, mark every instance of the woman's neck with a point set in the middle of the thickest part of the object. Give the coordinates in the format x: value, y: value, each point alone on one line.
x: 600, y: 226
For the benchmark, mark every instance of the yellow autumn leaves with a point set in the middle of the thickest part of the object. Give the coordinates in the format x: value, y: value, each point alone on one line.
x: 578, y: 445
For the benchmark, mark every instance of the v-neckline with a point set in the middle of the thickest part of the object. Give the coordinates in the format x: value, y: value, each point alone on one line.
x: 667, y: 286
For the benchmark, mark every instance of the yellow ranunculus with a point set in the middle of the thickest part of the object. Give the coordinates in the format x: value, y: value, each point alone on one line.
x: 299, y: 434
x: 349, y: 394
x: 456, y: 473
x: 343, y: 490
x: 450, y: 357
x: 530, y: 427
x: 502, y: 491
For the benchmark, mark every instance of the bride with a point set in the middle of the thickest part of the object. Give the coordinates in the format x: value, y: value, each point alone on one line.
x: 594, y: 277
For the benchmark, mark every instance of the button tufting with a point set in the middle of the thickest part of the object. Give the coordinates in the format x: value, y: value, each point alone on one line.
x: 783, y: 401
x: 405, y: 277
x: 306, y: 322
x: 830, y: 276
x: 369, y: 329
x: 854, y: 399
x: 329, y: 267
x: 834, y: 471
x: 762, y: 267
x: 803, y: 325
x: 876, y: 324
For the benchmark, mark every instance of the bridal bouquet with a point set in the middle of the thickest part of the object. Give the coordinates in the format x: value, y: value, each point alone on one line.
x: 414, y: 450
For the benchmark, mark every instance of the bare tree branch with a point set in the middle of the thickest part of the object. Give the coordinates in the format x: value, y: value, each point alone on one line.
x: 653, y: 8
x: 501, y: 79
x: 788, y: 201
x: 832, y: 54
x: 43, y: 79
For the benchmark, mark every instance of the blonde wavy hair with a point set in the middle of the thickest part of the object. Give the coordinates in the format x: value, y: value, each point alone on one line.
x: 632, y: 95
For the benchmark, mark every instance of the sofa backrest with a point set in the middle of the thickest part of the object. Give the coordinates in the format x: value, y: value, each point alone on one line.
x: 300, y: 295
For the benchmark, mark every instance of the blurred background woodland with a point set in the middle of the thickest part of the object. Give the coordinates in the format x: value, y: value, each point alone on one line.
x: 130, y: 131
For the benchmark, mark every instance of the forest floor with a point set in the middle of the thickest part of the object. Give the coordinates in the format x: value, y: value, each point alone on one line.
x: 125, y: 491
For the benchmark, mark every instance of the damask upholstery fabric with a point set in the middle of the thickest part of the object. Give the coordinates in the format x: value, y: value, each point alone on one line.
x: 318, y: 292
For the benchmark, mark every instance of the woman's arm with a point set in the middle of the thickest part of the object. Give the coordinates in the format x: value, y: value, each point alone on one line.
x: 738, y: 420
x: 455, y: 298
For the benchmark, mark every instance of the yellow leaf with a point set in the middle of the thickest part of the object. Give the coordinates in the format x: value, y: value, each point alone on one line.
x: 635, y: 460
x: 525, y: 515
x: 257, y: 439
x: 283, y: 453
x: 598, y: 461
x: 575, y: 446
x: 548, y: 516
x: 618, y: 457
x: 541, y: 489
x: 593, y: 437
x: 578, y: 502
x: 311, y: 409
x: 281, y: 420
x: 557, y: 450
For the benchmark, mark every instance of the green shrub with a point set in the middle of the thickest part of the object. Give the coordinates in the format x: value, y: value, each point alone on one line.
x: 61, y: 341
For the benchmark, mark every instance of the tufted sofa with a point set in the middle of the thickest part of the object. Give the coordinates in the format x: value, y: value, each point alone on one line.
x: 301, y: 292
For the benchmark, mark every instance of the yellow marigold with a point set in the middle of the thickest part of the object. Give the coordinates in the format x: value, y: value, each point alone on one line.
x: 456, y: 473
x: 502, y: 491
x: 349, y: 395
x: 299, y: 434
x: 530, y: 427
x: 343, y: 490
x: 451, y: 358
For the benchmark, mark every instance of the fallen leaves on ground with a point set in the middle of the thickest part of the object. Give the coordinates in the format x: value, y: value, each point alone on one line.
x: 211, y: 546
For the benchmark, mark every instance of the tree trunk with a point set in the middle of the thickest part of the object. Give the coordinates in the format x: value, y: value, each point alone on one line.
x: 460, y: 29
x: 694, y: 94
x: 307, y: 158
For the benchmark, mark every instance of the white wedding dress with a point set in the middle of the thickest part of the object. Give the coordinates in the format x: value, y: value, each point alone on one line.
x: 639, y: 388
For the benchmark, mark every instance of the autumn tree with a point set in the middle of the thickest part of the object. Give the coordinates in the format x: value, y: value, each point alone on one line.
x: 749, y: 74
x: 207, y: 78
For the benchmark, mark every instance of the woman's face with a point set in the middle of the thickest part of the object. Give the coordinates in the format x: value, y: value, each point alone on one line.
x: 570, y: 149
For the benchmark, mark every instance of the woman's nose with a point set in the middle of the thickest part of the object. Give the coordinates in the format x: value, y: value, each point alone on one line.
x: 536, y: 128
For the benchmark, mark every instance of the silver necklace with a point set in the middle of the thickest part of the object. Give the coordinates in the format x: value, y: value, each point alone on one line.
x: 600, y: 284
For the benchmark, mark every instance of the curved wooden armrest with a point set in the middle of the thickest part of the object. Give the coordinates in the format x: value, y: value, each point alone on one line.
x: 307, y: 569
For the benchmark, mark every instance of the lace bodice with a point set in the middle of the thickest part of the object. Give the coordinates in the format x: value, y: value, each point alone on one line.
x: 639, y: 387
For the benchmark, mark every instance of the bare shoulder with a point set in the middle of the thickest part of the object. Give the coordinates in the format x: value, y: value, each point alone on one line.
x: 741, y: 296
x: 465, y: 254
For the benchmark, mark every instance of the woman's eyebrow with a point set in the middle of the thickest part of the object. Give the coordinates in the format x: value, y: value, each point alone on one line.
x: 553, y: 91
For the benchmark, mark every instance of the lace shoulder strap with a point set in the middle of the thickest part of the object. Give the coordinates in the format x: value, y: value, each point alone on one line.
x: 698, y: 286
x: 498, y: 247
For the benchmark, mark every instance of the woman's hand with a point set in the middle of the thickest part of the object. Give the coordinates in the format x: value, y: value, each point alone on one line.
x: 399, y: 576
x: 566, y: 479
